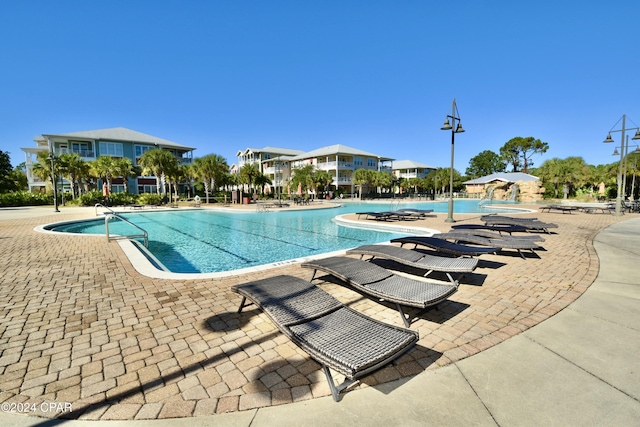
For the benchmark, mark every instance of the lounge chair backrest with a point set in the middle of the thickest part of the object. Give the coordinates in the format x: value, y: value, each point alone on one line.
x: 290, y: 300
x: 354, y: 270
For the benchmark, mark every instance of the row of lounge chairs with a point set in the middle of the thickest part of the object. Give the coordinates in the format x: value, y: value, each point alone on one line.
x: 349, y: 342
x: 400, y: 214
x: 338, y: 337
x: 608, y: 208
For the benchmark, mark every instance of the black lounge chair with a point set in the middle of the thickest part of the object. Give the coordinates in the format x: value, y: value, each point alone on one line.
x: 446, y: 246
x: 531, y: 224
x: 496, y: 235
x: 378, y: 216
x: 500, y: 241
x: 386, y: 216
x: 336, y: 336
x: 560, y: 208
x: 509, y: 229
x: 383, y: 284
x: 419, y: 213
x: 417, y: 259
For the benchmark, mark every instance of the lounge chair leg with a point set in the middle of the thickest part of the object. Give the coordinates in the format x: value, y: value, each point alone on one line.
x: 406, y: 321
x: 454, y: 282
x: 335, y: 390
x: 243, y: 305
x: 313, y: 276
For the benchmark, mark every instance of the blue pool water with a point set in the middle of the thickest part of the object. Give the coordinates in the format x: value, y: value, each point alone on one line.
x: 204, y: 241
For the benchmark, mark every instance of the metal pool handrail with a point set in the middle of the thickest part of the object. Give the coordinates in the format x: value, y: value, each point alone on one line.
x: 144, y: 234
x: 103, y: 206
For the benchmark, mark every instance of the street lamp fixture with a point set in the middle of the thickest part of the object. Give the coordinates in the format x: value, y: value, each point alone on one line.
x: 624, y: 147
x: 454, y: 128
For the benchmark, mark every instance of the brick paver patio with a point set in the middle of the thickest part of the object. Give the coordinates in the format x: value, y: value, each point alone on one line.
x: 78, y: 324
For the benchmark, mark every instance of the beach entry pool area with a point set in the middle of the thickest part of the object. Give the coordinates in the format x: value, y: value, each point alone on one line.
x: 211, y: 241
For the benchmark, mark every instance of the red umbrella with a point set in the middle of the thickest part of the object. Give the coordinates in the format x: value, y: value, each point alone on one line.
x: 105, y: 190
x: 300, y: 189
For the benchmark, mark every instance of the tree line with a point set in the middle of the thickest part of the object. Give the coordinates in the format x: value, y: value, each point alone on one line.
x: 207, y: 174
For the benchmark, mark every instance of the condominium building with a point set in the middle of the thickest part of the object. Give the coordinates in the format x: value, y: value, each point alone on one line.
x: 408, y: 169
x: 339, y: 160
x: 114, y: 142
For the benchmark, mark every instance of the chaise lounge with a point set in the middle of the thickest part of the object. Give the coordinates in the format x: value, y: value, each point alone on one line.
x: 531, y: 224
x: 336, y: 336
x: 446, y: 247
x: 519, y: 245
x: 381, y: 283
x: 419, y: 260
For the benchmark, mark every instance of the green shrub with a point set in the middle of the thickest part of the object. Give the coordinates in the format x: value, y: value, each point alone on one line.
x: 25, y: 198
x: 91, y: 198
x: 122, y: 199
x: 149, y: 199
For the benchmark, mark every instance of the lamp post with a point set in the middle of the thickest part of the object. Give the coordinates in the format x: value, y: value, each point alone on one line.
x: 455, y: 115
x: 54, y: 184
x: 623, y: 153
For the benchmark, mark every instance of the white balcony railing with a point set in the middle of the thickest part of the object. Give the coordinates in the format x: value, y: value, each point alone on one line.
x: 81, y: 153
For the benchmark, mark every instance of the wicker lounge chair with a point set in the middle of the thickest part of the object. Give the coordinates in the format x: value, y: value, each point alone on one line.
x: 446, y: 246
x: 502, y: 242
x: 419, y: 260
x: 493, y: 235
x: 529, y: 223
x: 336, y: 336
x: 383, y: 284
x: 419, y: 213
x: 387, y: 215
x: 378, y: 216
x: 509, y: 229
x: 560, y: 208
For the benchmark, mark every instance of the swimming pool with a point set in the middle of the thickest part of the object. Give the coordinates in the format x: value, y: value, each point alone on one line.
x: 207, y: 241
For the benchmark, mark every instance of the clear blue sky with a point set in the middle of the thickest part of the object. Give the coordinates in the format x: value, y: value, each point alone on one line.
x: 375, y: 75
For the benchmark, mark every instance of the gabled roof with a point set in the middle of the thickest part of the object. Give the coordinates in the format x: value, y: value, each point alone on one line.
x: 504, y: 177
x: 410, y: 164
x: 273, y: 150
x: 337, y: 149
x: 119, y: 134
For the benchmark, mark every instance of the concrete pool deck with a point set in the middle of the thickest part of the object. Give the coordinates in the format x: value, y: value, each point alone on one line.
x: 543, y: 341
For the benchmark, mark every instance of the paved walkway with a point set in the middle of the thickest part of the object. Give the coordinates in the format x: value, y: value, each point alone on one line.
x: 79, y: 325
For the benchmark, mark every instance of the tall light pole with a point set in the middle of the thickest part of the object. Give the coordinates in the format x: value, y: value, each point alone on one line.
x: 623, y: 150
x: 455, y: 115
x: 54, y: 184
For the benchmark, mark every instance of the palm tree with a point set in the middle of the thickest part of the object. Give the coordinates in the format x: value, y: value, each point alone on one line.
x: 321, y: 178
x: 261, y: 180
x: 416, y: 183
x: 125, y: 168
x: 42, y: 168
x: 105, y: 167
x: 302, y: 178
x: 247, y: 174
x: 72, y: 167
x: 155, y: 163
x: 363, y: 177
x: 383, y: 179
x: 211, y: 169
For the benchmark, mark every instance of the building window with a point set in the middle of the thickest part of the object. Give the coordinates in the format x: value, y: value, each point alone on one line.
x: 141, y: 149
x: 117, y: 188
x: 357, y: 161
x: 147, y: 189
x: 371, y: 163
x: 83, y: 149
x: 113, y: 149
